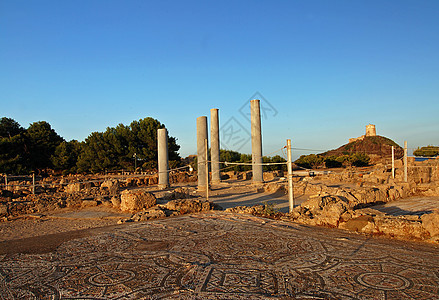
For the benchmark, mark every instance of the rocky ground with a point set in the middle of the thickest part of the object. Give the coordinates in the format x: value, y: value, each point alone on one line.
x: 351, y: 199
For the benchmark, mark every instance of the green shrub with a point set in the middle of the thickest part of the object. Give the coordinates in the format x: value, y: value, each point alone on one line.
x: 428, y: 151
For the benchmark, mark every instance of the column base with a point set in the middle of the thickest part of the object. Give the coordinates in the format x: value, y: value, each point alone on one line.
x: 163, y: 186
x: 201, y: 188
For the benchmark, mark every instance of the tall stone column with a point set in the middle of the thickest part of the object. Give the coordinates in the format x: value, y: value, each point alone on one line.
x: 215, y: 145
x: 163, y: 161
x: 201, y: 152
x: 258, y: 176
x: 405, y: 162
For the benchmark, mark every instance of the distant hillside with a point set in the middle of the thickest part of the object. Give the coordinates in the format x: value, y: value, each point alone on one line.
x: 374, y: 146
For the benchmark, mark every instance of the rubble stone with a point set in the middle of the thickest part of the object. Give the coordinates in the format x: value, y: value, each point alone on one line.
x: 112, y: 186
x: 115, y: 200
x: 136, y: 200
x: 185, y: 206
x: 431, y: 223
x: 89, y: 203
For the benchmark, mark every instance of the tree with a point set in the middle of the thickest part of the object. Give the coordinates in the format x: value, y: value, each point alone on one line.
x: 41, y: 141
x: 66, y: 156
x: 311, y: 161
x: 275, y: 159
x: 115, y: 148
x: 13, y: 157
x: 99, y: 152
x: 359, y: 160
x: 334, y: 161
x: 9, y: 128
x: 13, y: 151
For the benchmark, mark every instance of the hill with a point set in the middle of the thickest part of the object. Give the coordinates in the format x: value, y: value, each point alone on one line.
x: 376, y: 147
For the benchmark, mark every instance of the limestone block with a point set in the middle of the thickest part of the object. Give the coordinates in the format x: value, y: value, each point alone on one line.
x: 312, y: 189
x: 178, y: 193
x: 400, y: 226
x: 74, y: 187
x: 112, y: 186
x: 89, y: 203
x: 268, y: 176
x: 431, y: 223
x: 359, y: 224
x: 153, y: 213
x: 115, y: 202
x: 331, y: 213
x: 189, y: 205
x: 136, y: 200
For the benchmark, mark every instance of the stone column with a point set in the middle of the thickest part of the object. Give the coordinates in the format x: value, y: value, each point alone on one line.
x: 201, y: 152
x: 163, y: 162
x: 258, y: 176
x: 215, y: 145
x: 405, y: 162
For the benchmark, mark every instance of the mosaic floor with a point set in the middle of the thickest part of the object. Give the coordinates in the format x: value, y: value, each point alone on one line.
x: 223, y: 256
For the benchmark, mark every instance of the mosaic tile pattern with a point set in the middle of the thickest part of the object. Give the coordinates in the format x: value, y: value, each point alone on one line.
x: 223, y: 256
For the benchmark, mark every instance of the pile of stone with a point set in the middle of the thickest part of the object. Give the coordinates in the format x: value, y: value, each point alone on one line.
x: 109, y: 194
x: 144, y: 205
x: 72, y: 195
x: 348, y: 207
x: 148, y: 180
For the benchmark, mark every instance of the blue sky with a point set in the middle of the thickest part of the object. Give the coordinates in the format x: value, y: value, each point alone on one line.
x: 326, y: 69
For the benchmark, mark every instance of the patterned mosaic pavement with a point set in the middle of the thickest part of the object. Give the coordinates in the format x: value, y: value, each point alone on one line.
x: 223, y: 256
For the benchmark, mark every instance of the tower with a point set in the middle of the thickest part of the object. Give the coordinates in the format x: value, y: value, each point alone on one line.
x: 371, y: 130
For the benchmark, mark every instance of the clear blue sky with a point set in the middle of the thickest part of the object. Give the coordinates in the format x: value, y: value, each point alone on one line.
x: 325, y: 68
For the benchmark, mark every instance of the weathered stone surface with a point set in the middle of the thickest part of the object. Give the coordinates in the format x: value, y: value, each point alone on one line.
x: 274, y: 187
x: 326, y: 210
x: 357, y: 224
x: 398, y: 226
x: 268, y: 176
x: 136, y: 200
x: 74, y: 187
x: 252, y: 210
x: 115, y: 200
x: 178, y: 193
x: 112, y: 186
x: 431, y: 223
x: 89, y: 203
x: 331, y: 214
x: 179, y: 177
x: 185, y: 206
x: 3, y: 210
x: 150, y: 214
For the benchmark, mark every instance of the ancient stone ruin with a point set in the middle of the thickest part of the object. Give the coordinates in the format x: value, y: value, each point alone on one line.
x: 370, y: 131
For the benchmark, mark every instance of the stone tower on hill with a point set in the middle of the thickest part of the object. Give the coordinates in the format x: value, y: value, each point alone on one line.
x: 370, y: 131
